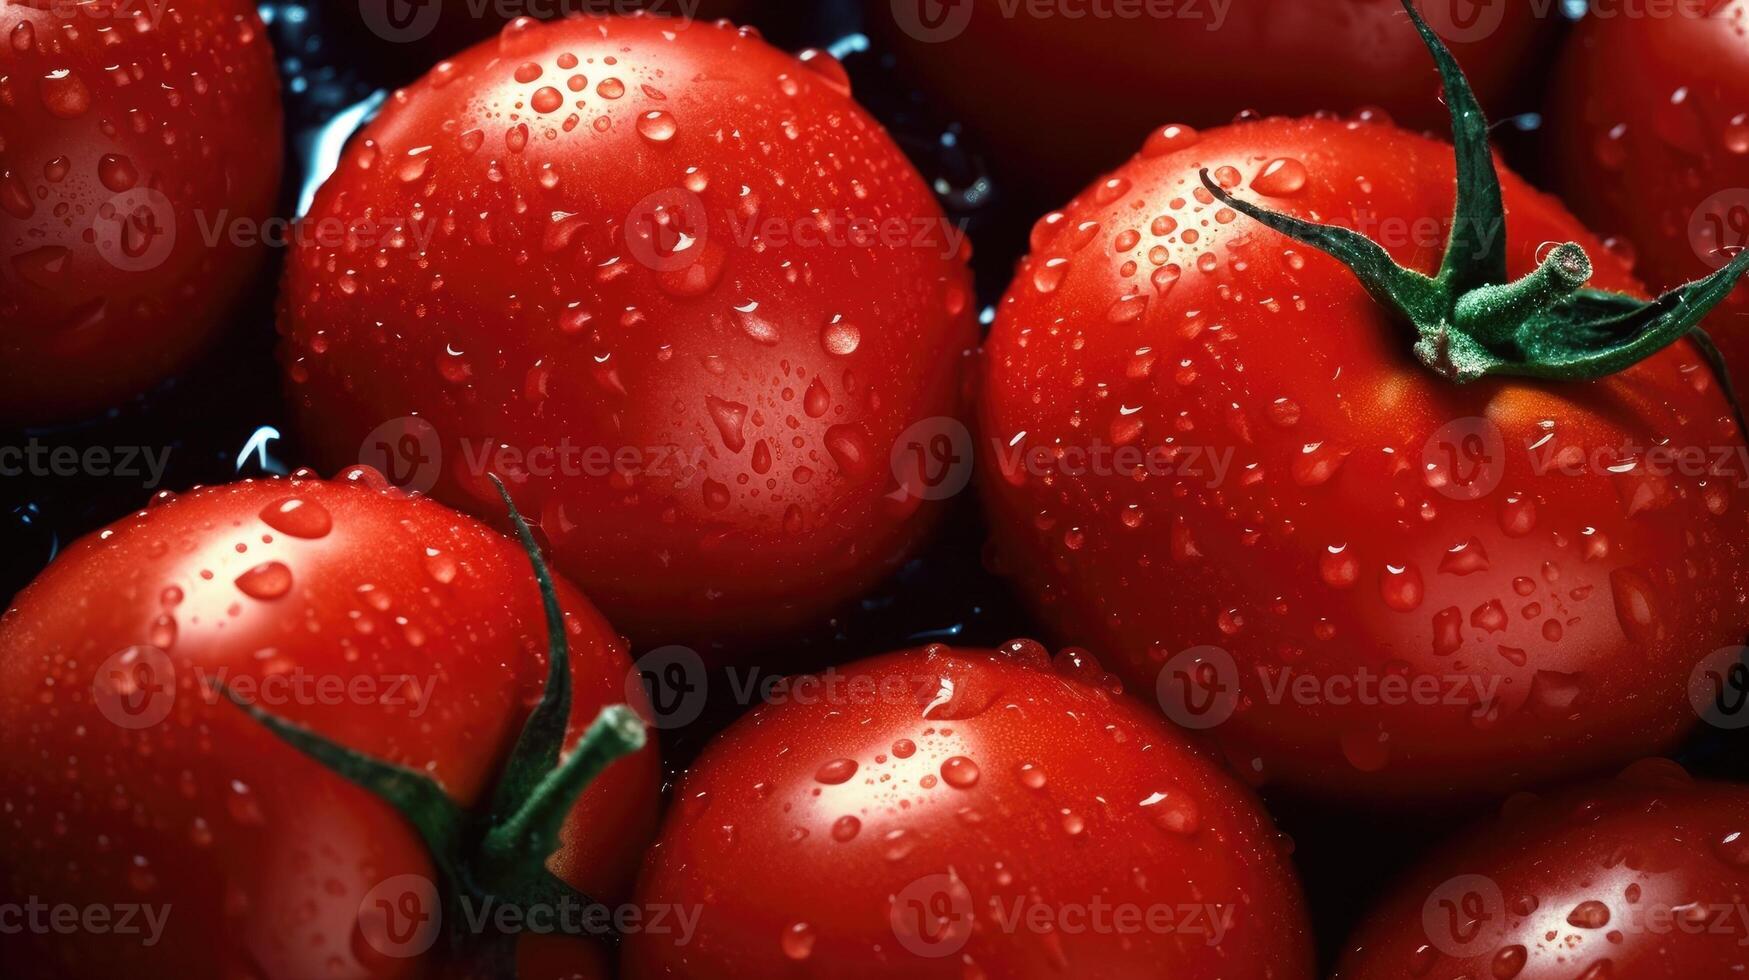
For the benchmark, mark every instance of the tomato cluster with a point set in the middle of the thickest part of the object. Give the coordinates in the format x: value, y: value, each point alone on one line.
x: 1360, y: 488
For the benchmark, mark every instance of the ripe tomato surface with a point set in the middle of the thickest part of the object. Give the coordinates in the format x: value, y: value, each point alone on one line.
x: 1313, y: 510
x: 1071, y: 96
x: 134, y: 140
x: 631, y: 281
x: 1649, y: 123
x: 399, y: 40
x: 389, y: 625
x: 1642, y: 876
x: 952, y: 813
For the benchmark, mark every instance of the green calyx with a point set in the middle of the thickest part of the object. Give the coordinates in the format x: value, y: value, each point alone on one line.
x: 1470, y: 322
x: 496, y: 858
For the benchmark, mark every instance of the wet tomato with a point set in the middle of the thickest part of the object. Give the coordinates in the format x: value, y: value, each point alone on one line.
x: 390, y: 626
x: 954, y: 813
x: 1642, y: 876
x: 1070, y: 87
x: 1650, y: 131
x: 399, y: 40
x: 1406, y: 539
x: 139, y: 153
x: 673, y: 285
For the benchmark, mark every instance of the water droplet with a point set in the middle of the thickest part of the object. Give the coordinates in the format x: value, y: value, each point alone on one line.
x: 798, y: 941
x: 1281, y: 177
x: 298, y: 517
x: 268, y: 580
x: 836, y: 772
x: 960, y: 772
x: 657, y: 126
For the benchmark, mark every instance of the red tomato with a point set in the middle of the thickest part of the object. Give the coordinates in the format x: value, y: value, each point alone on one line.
x: 1070, y: 91
x: 391, y: 626
x: 1642, y: 876
x: 954, y: 813
x: 134, y: 140
x: 672, y: 284
x: 1210, y: 455
x: 402, y: 39
x: 1650, y: 129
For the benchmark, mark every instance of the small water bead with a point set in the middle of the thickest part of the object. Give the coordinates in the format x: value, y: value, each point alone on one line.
x: 1166, y: 139
x: 546, y: 99
x: 298, y: 517
x: 268, y: 580
x: 836, y: 772
x: 1281, y: 177
x: 657, y: 126
x: 798, y: 941
x: 840, y: 338
x: 845, y: 829
x: 960, y: 772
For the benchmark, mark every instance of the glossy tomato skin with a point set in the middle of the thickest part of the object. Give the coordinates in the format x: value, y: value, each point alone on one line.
x: 1649, y: 124
x: 1072, y: 96
x: 125, y: 782
x: 886, y: 830
x: 1641, y: 876
x: 1320, y: 509
x: 137, y: 138
x: 728, y: 392
x: 398, y: 40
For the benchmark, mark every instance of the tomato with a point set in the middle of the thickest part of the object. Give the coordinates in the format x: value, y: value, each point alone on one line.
x: 1641, y: 876
x: 673, y: 285
x: 1217, y: 459
x: 952, y: 813
x: 390, y: 625
x: 1649, y: 125
x: 134, y: 140
x: 399, y: 40
x: 1067, y: 88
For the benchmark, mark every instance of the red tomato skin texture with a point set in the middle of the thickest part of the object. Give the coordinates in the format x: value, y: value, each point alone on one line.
x: 1019, y: 784
x: 411, y: 46
x: 180, y: 121
x: 264, y: 857
x: 1649, y: 120
x: 1073, y: 96
x: 758, y: 391
x: 1641, y: 876
x: 1319, y: 533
